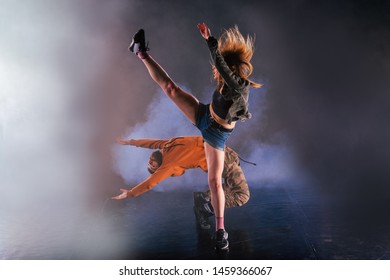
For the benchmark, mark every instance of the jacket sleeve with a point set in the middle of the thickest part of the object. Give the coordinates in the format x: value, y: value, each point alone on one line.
x: 148, y: 143
x: 231, y: 79
x: 161, y: 174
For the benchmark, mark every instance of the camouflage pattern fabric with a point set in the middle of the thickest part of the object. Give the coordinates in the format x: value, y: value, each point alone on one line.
x: 234, y: 182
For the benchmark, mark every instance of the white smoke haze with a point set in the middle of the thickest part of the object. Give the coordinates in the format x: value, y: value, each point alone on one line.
x: 69, y: 87
x: 164, y: 121
x: 50, y: 54
x: 274, y: 161
x: 44, y: 152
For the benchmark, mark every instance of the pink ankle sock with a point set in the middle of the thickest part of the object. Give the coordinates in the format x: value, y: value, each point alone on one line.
x: 219, y: 223
x: 142, y: 55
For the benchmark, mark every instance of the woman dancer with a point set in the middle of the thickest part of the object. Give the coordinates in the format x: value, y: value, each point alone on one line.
x: 231, y: 55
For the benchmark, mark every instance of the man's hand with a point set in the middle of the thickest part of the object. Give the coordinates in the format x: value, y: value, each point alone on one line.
x: 123, y: 195
x: 123, y: 141
x: 204, y: 30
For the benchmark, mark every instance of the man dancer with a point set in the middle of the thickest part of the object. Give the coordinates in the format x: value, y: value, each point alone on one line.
x: 176, y: 155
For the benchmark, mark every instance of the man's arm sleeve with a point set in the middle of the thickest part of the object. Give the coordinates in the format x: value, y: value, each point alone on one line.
x: 158, y: 176
x: 148, y: 143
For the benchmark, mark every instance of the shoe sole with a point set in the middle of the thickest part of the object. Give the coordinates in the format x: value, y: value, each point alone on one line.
x: 131, y: 48
x: 223, y: 248
x: 226, y: 247
x: 132, y: 44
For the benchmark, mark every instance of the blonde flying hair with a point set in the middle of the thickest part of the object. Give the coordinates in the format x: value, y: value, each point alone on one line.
x: 237, y: 52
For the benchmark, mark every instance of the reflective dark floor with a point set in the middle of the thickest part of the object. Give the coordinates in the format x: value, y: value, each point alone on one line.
x: 277, y: 223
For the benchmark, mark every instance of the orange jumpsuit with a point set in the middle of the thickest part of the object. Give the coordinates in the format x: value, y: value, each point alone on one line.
x: 178, y: 154
x: 181, y: 153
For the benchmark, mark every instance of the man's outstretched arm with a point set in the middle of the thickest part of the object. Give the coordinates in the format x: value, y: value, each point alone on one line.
x: 144, y: 143
x: 158, y: 176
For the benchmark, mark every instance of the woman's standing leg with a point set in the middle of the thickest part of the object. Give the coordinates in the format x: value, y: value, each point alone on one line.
x: 215, y: 162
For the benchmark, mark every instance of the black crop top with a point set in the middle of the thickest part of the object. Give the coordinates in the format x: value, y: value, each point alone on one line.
x: 220, y: 105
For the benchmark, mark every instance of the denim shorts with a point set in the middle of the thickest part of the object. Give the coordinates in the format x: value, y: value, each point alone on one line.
x: 213, y: 133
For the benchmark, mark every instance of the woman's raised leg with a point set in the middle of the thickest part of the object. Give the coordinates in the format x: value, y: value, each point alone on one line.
x: 185, y: 101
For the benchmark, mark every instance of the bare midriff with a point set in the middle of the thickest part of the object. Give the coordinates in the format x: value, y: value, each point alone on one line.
x: 221, y: 121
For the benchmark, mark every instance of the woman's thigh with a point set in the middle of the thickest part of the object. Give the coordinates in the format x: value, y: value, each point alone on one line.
x: 187, y: 103
x: 215, y: 161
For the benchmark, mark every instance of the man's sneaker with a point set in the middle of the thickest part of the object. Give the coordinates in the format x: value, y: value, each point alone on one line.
x: 199, y: 198
x: 202, y: 202
x: 201, y: 218
x: 138, y: 43
x: 208, y: 208
x: 221, y: 240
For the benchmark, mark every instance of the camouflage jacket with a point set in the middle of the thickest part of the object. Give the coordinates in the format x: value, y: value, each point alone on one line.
x: 235, y: 89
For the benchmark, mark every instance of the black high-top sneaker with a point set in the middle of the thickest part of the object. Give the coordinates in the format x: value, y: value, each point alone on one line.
x: 221, y: 240
x: 201, y: 218
x: 203, y: 202
x: 199, y: 198
x: 200, y: 212
x: 138, y: 43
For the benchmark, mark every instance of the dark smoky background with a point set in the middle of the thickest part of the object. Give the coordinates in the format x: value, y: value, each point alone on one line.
x: 69, y: 87
x: 324, y: 66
